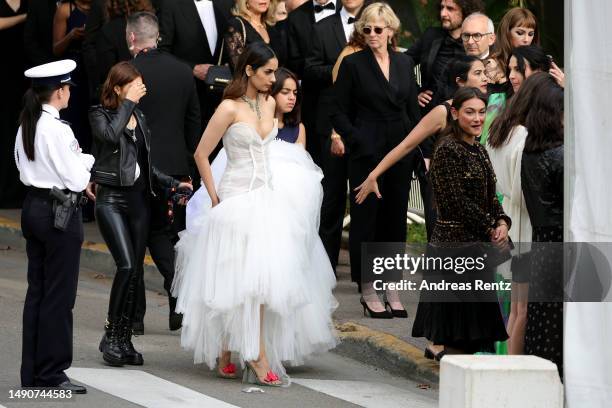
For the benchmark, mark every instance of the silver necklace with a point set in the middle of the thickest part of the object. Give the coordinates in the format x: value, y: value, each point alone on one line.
x: 254, y: 105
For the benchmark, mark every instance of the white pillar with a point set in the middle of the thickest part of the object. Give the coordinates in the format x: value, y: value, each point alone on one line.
x: 487, y: 381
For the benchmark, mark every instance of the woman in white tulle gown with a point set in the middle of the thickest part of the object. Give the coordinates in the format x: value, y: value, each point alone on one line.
x: 252, y: 276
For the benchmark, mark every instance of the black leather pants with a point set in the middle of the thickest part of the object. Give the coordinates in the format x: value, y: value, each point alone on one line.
x: 123, y: 218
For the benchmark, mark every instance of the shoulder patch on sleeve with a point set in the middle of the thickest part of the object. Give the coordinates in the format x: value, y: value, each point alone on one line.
x: 74, y: 146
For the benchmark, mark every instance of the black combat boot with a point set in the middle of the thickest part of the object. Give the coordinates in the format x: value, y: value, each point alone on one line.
x: 110, y: 345
x: 131, y: 355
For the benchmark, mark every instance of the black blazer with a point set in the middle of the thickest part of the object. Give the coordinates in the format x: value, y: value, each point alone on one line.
x: 425, y: 51
x: 175, y: 126
x: 111, y: 46
x: 328, y: 41
x: 182, y: 33
x: 373, y: 114
x: 38, y: 32
x: 300, y: 24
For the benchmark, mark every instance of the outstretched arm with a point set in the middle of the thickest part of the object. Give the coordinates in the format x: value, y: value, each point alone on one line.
x: 431, y: 124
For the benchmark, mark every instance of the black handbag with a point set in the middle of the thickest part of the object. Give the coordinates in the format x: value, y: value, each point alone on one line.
x: 219, y: 76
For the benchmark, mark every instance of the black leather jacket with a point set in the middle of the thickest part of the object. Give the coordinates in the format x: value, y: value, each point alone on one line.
x: 542, y: 184
x: 116, y: 154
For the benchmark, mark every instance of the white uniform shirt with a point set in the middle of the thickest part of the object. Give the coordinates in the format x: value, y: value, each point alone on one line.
x: 348, y: 28
x: 58, y: 159
x: 326, y: 12
x: 209, y: 22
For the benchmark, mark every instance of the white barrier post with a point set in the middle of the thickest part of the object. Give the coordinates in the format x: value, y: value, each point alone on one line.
x: 488, y: 381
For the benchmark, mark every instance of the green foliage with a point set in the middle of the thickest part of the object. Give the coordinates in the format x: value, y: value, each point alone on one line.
x: 417, y: 234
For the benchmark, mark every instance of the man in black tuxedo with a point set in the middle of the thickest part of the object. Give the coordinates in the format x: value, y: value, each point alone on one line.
x: 193, y: 32
x: 38, y: 32
x: 330, y: 36
x: 173, y: 115
x: 438, y: 46
x: 300, y: 24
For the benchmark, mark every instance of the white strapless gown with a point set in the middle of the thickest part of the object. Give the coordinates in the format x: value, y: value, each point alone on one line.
x: 259, y: 245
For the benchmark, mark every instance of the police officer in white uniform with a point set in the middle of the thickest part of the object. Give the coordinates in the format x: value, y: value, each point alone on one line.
x: 47, y: 156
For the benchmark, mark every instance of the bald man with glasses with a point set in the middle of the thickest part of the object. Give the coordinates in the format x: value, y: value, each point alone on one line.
x: 478, y: 35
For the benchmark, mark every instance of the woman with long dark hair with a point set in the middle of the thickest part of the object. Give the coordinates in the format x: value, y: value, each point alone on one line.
x: 252, y: 276
x: 125, y: 179
x: 48, y: 157
x: 523, y: 62
x: 288, y: 95
x: 542, y: 182
x: 505, y: 148
x: 468, y: 212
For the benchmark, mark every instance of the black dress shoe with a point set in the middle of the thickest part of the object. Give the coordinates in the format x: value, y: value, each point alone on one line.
x: 375, y: 315
x: 401, y: 313
x: 175, y: 321
x: 68, y: 386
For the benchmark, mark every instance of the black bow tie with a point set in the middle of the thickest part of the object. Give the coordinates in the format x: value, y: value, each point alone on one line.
x: 351, y: 20
x: 329, y: 6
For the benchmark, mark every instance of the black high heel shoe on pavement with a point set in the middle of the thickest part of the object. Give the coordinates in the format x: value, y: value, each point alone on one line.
x: 375, y: 315
x: 400, y: 313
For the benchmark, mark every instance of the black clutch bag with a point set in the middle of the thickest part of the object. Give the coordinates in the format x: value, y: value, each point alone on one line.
x: 219, y: 76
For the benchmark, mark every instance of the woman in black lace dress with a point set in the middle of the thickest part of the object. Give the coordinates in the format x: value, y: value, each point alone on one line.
x: 253, y: 21
x: 468, y: 212
x: 542, y: 182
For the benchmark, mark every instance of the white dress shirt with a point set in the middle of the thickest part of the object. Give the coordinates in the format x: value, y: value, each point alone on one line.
x: 325, y: 13
x: 209, y: 22
x: 348, y: 28
x: 58, y: 159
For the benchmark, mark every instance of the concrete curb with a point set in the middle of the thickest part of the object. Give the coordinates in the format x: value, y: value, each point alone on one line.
x: 358, y: 342
x: 385, y: 351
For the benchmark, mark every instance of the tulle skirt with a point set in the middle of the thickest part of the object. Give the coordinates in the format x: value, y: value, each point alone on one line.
x: 257, y: 248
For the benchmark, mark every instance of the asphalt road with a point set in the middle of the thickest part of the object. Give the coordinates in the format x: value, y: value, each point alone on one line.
x: 169, y: 378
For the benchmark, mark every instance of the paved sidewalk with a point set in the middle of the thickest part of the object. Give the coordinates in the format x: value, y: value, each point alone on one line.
x: 384, y: 343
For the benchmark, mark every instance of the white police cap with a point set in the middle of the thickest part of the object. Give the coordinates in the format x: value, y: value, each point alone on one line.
x: 53, y: 73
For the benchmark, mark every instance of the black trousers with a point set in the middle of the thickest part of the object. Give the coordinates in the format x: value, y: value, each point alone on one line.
x: 53, y: 274
x: 123, y: 218
x: 161, y: 240
x: 335, y: 171
x: 378, y: 220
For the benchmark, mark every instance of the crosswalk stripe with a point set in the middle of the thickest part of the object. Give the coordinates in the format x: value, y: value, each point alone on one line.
x: 368, y: 394
x: 142, y: 388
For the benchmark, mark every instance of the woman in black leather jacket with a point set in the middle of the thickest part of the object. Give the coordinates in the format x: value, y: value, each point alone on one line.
x: 542, y: 183
x: 125, y: 180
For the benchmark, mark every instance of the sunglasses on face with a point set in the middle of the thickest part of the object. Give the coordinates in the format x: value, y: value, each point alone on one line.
x: 368, y: 30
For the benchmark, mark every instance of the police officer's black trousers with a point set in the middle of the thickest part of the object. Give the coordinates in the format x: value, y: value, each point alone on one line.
x: 123, y: 218
x: 53, y: 273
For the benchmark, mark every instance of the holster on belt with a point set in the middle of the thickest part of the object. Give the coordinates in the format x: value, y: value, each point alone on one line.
x: 64, y: 206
